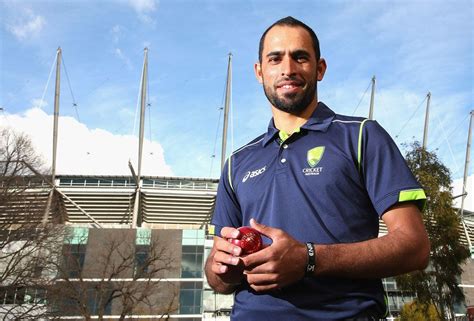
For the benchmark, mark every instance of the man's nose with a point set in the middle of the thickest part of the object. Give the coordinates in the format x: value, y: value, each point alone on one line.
x: 288, y: 66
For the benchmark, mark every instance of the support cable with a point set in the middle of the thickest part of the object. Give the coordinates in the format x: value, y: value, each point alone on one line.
x: 411, y: 117
x: 40, y: 102
x: 231, y: 121
x: 47, y: 82
x: 449, y: 148
x: 221, y: 108
x: 138, y: 103
x: 74, y: 104
x: 363, y: 95
x: 213, y: 156
x: 454, y: 131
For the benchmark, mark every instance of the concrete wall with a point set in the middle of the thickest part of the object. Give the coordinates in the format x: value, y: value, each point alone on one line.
x: 467, y: 278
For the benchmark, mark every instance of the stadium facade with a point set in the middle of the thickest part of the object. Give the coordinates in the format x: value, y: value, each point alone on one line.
x: 174, y: 213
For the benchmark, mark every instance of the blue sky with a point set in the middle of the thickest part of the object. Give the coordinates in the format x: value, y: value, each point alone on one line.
x: 412, y: 47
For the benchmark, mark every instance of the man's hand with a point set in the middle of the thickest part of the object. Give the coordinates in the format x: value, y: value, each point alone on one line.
x: 224, y: 269
x: 275, y: 266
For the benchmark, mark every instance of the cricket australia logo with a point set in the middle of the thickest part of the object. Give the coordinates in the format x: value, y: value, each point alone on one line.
x: 251, y: 174
x: 313, y: 158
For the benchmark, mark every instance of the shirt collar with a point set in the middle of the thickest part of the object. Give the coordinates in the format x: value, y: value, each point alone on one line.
x: 320, y: 120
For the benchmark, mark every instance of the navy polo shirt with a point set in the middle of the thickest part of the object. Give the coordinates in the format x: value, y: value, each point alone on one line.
x: 328, y: 183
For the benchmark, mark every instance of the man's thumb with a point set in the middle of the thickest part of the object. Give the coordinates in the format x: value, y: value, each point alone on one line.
x: 262, y: 229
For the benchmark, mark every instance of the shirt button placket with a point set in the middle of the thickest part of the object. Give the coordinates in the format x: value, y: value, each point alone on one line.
x: 284, y: 155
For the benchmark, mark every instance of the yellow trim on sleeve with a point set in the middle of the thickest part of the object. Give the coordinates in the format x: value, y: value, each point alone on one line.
x: 229, y: 175
x: 359, y: 145
x: 411, y: 195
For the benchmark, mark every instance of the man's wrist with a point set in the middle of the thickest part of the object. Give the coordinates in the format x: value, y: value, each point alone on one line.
x: 311, y: 265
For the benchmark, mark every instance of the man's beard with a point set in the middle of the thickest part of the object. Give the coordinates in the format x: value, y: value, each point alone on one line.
x: 291, y: 103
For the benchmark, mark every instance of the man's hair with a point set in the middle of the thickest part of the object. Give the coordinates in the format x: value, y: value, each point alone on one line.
x: 291, y: 22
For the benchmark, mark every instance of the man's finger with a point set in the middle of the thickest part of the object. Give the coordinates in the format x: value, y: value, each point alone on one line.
x: 222, y: 257
x: 230, y: 232
x: 262, y: 279
x: 225, y: 246
x: 268, y: 231
x: 218, y: 268
x: 255, y: 259
x: 259, y: 269
x: 265, y: 288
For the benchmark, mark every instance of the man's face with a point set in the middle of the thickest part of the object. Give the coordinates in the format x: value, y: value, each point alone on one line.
x: 289, y: 70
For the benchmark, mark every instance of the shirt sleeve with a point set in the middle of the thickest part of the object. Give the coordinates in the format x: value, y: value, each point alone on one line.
x: 386, y: 175
x: 227, y: 210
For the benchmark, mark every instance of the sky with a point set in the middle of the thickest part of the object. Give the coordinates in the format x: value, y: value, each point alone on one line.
x: 412, y: 48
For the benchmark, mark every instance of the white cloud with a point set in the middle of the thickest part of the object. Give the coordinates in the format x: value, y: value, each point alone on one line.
x: 26, y: 25
x: 144, y: 9
x: 118, y: 52
x: 143, y: 6
x: 116, y: 32
x: 39, y: 103
x: 86, y: 151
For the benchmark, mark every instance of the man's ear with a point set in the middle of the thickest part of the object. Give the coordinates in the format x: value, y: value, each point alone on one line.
x: 322, y: 66
x: 258, y: 72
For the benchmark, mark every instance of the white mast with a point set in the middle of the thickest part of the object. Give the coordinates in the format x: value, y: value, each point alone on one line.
x: 466, y: 163
x: 56, y: 113
x: 136, y: 206
x: 427, y: 119
x: 55, y: 135
x: 226, y: 110
x: 372, y: 98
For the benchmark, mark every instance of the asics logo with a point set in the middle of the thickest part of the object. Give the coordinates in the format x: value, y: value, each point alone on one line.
x: 254, y: 173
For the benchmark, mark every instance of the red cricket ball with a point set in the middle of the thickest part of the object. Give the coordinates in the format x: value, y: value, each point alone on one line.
x: 249, y: 240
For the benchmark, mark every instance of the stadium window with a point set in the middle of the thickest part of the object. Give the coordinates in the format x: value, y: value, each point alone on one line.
x: 142, y: 252
x: 192, y: 253
x: 191, y: 261
x: 190, y: 298
x: 3, y: 294
x: 12, y: 295
x: 74, y: 251
x: 93, y: 301
x: 142, y: 255
x: 74, y: 256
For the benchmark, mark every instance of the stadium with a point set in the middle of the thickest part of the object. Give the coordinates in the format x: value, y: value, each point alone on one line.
x: 177, y: 210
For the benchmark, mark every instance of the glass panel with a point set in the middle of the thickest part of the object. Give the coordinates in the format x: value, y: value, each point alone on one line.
x: 73, y: 257
x: 141, y: 260
x: 77, y: 235
x: 190, y: 298
x: 3, y: 293
x: 189, y: 234
x: 10, y: 298
x: 40, y: 296
x: 143, y: 236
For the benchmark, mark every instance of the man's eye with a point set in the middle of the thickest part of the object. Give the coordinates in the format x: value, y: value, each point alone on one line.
x: 302, y: 59
x: 274, y: 59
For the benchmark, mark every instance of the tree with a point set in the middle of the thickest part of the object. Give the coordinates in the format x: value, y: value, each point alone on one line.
x: 119, y: 277
x: 25, y: 238
x: 415, y: 311
x: 438, y: 284
x: 42, y: 270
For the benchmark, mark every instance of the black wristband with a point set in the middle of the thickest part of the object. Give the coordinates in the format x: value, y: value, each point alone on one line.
x: 311, y: 259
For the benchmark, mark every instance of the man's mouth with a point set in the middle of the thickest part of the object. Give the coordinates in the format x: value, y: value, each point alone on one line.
x: 288, y: 87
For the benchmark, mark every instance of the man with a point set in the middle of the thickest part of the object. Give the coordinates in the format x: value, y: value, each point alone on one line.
x: 315, y: 185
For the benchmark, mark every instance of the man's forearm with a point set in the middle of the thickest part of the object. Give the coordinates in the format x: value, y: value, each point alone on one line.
x: 369, y: 259
x: 398, y: 252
